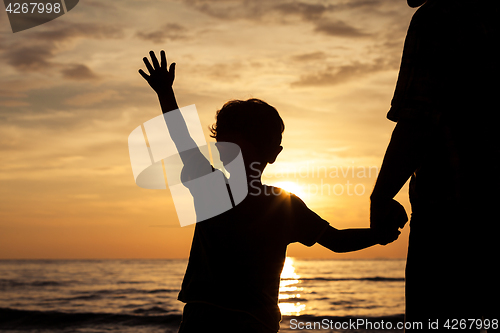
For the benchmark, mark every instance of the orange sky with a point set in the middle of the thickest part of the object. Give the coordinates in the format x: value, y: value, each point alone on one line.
x: 70, y: 95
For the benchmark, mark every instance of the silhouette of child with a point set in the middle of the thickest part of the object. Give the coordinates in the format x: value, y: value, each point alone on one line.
x: 233, y: 275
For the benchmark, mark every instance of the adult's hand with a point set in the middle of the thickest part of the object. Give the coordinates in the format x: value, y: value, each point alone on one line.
x: 387, y: 214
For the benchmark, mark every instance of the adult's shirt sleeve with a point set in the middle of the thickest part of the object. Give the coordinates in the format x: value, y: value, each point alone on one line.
x: 306, y: 226
x: 413, y: 95
x: 448, y: 63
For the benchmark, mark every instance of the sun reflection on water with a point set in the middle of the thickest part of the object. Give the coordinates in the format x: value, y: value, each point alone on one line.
x: 290, y: 290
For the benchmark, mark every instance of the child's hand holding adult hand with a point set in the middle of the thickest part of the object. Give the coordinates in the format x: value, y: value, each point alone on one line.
x: 386, y: 236
x: 387, y: 214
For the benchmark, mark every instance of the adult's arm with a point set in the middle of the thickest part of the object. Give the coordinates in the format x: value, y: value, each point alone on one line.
x: 402, y: 157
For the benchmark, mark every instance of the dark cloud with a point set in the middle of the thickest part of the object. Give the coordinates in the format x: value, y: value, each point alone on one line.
x: 29, y: 58
x: 35, y: 53
x: 319, y: 55
x: 362, y: 4
x: 309, y: 10
x: 259, y: 10
x: 336, y: 75
x: 306, y: 11
x: 61, y: 31
x: 79, y: 72
x: 232, y: 10
x: 321, y: 15
x: 170, y: 31
x: 339, y: 29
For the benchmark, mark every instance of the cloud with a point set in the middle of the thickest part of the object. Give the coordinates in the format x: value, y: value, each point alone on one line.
x: 36, y: 52
x: 170, y: 31
x: 306, y: 11
x: 79, y: 72
x: 231, y: 10
x: 13, y: 103
x: 322, y: 16
x: 318, y: 55
x: 336, y: 75
x: 30, y: 58
x: 338, y: 28
x: 362, y: 4
x: 92, y: 98
x: 18, y: 88
x: 224, y: 71
x: 63, y: 32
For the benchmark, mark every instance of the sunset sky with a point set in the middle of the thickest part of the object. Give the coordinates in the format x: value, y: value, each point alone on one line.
x: 70, y: 95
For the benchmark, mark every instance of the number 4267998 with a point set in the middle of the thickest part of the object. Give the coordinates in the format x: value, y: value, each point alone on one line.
x: 455, y: 324
x: 33, y: 8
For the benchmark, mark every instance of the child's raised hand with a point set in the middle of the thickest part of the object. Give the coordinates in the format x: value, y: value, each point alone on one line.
x: 159, y: 77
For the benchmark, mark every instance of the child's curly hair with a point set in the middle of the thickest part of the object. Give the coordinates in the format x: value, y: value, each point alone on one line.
x: 253, y: 120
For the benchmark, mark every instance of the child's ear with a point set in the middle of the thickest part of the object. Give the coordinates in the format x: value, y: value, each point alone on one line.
x: 275, y: 154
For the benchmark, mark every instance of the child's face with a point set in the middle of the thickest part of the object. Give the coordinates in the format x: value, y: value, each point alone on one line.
x: 230, y: 146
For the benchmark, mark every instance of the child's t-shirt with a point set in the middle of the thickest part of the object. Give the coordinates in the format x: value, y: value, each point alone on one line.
x: 236, y: 258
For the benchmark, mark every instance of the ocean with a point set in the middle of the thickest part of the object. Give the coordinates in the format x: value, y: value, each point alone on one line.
x: 140, y: 295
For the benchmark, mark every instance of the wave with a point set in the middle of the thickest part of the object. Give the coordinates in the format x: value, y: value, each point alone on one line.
x: 153, y: 310
x: 29, y: 319
x: 373, y: 279
x: 9, y: 283
x: 12, y: 283
x: 32, y: 319
x: 128, y: 291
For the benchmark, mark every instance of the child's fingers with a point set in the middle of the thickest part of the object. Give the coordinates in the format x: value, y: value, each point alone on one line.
x: 163, y: 60
x: 144, y: 75
x: 171, y: 70
x: 156, y: 65
x: 148, y: 65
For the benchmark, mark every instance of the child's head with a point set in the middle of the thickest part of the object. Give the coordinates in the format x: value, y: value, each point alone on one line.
x: 251, y: 123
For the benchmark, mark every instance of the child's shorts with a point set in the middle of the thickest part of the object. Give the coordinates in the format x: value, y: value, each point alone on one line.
x: 203, y: 317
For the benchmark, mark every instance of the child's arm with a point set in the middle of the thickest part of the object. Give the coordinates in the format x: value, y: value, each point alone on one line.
x: 404, y: 153
x: 161, y: 80
x: 349, y: 240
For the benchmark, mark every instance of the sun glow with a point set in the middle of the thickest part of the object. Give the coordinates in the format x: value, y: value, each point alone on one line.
x: 291, y: 187
x: 290, y: 290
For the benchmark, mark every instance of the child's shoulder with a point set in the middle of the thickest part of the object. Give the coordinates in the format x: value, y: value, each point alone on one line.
x: 275, y: 195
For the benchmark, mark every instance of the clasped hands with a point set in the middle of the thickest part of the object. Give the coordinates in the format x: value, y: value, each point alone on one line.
x: 387, y: 216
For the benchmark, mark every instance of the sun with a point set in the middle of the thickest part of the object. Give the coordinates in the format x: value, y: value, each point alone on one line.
x: 291, y: 187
